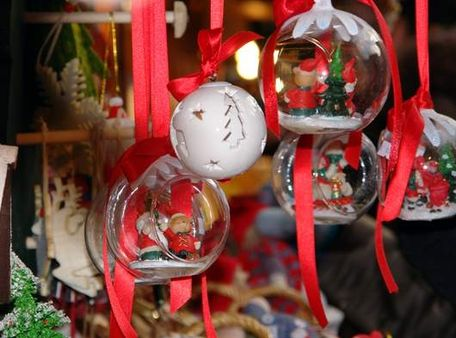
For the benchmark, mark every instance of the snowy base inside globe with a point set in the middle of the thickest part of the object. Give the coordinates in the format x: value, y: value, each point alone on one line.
x: 316, y: 124
x: 412, y: 212
x: 160, y: 271
x: 332, y: 217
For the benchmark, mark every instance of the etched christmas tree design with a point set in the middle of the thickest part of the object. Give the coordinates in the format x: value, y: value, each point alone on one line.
x: 335, y: 95
x: 234, y: 128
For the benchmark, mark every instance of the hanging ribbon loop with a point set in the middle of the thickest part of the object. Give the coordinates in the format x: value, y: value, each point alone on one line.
x: 213, y: 52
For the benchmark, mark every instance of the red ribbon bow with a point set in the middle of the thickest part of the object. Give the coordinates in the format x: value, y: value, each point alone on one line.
x: 213, y: 52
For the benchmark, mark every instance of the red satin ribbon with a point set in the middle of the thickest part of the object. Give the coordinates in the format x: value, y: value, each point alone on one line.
x: 422, y: 43
x: 353, y: 149
x: 396, y: 116
x: 217, y: 13
x: 268, y: 82
x: 283, y: 10
x: 213, y: 52
x: 140, y: 55
x: 150, y: 68
x: 132, y: 164
x: 303, y: 184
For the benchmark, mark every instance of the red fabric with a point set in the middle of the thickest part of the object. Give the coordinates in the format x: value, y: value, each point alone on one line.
x: 222, y: 271
x: 132, y: 164
x: 396, y: 117
x: 243, y: 211
x: 283, y: 10
x: 397, y: 187
x: 301, y: 98
x: 159, y: 71
x: 217, y: 13
x: 353, y: 149
x: 207, y: 318
x: 150, y: 68
x: 213, y: 52
x: 374, y: 334
x: 422, y: 42
x: 140, y: 56
x: 305, y: 229
x: 268, y: 82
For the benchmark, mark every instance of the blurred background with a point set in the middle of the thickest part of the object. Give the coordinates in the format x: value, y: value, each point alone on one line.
x: 422, y: 254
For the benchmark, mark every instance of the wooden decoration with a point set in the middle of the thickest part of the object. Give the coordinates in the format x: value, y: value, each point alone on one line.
x: 8, y: 155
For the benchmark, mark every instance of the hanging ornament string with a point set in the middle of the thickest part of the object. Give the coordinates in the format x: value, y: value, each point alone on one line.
x: 303, y: 164
x: 121, y: 290
x: 213, y: 52
x: 396, y: 116
x: 159, y: 72
x: 283, y: 10
x: 305, y: 229
x: 150, y: 68
x: 140, y: 16
x: 422, y: 47
x: 410, y: 139
x: 216, y: 14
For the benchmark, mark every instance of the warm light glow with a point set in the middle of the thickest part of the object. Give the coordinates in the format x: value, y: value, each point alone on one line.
x: 279, y: 85
x: 276, y: 56
x: 247, y: 58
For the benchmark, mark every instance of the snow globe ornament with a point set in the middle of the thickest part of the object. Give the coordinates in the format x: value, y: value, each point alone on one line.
x: 167, y: 224
x: 218, y: 131
x: 331, y: 71
x: 341, y: 192
x: 431, y: 188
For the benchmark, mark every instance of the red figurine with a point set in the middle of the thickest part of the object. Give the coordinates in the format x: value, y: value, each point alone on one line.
x: 349, y: 76
x: 432, y: 182
x: 148, y: 247
x: 302, y: 100
x: 180, y: 240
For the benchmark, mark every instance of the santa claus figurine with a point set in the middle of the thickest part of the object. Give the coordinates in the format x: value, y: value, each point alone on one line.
x: 349, y: 76
x: 181, y: 241
x: 434, y: 183
x: 116, y: 109
x: 331, y: 177
x: 302, y: 100
x: 149, y: 249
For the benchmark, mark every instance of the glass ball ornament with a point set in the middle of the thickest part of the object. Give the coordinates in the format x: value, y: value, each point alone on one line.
x: 218, y: 131
x: 431, y: 188
x: 341, y: 193
x: 93, y: 230
x: 331, y: 71
x: 167, y: 224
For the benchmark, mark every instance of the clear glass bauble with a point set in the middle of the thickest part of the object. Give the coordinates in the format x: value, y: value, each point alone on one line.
x: 218, y: 131
x: 431, y: 188
x: 157, y: 231
x: 341, y: 193
x: 331, y: 71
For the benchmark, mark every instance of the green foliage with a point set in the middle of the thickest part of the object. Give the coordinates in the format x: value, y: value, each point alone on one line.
x: 335, y: 95
x: 447, y: 166
x: 29, y: 318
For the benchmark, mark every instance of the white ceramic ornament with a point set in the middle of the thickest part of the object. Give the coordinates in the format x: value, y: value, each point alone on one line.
x: 218, y: 131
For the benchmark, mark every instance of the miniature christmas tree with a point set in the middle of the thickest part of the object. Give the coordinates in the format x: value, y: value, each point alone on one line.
x: 29, y: 318
x: 335, y: 95
x: 447, y: 167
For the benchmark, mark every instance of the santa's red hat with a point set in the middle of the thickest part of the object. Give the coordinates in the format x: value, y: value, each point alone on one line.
x: 349, y: 74
x: 308, y: 65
